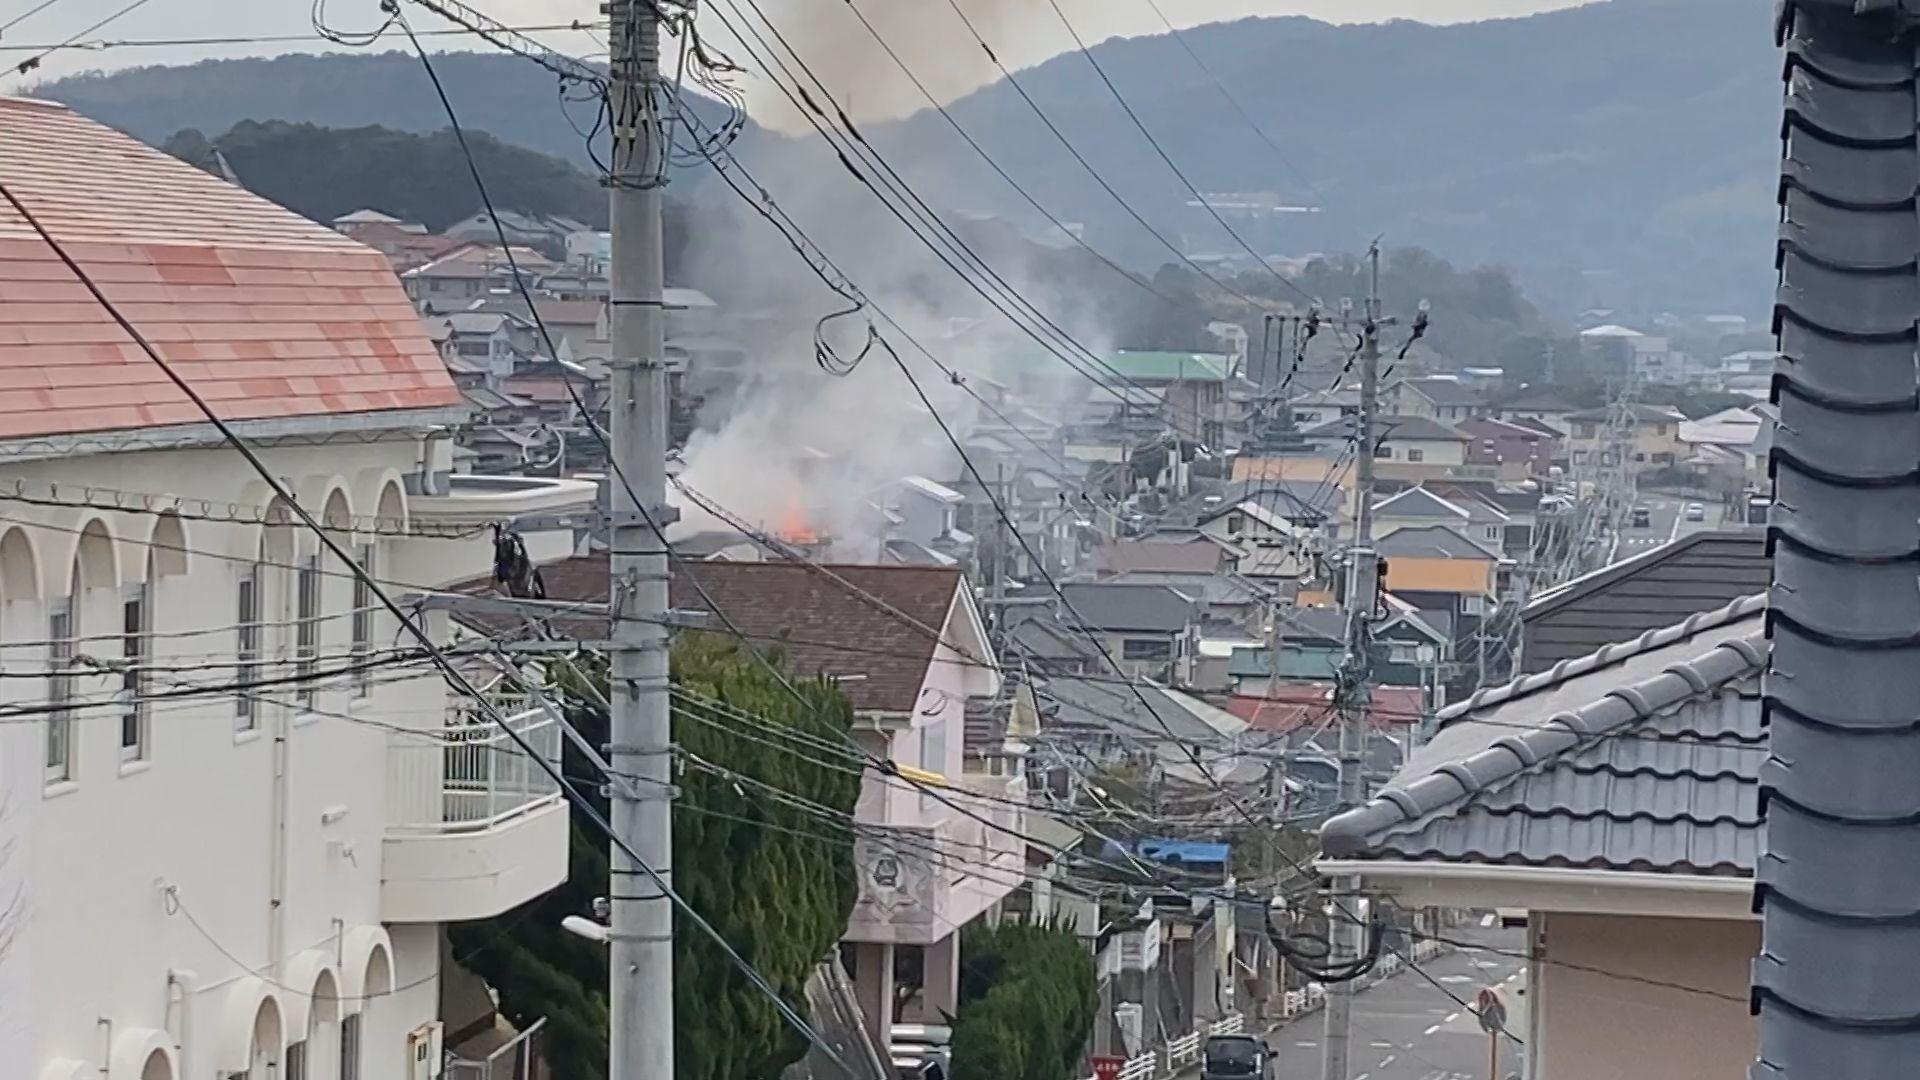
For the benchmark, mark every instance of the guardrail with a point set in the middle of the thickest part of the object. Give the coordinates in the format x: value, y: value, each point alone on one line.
x: 470, y: 773
x: 1183, y: 1051
x: 1230, y: 1024
x: 1141, y: 1067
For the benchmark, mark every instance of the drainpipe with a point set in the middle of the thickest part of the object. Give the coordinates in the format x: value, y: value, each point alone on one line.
x: 106, y: 1047
x: 181, y: 981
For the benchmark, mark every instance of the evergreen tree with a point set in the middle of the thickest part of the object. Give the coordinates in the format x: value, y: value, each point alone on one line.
x: 1028, y: 994
x: 775, y: 881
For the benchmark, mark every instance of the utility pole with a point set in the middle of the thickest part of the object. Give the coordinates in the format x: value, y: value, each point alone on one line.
x: 1363, y: 573
x: 640, y: 1014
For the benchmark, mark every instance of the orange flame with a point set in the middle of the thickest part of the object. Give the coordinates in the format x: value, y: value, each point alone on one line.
x: 793, y: 528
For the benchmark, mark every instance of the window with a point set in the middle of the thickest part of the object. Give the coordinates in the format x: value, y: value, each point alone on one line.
x: 1234, y: 524
x: 307, y: 630
x: 296, y: 1066
x: 1493, y: 532
x: 60, y: 635
x: 136, y: 648
x: 1383, y: 452
x: 1146, y: 649
x: 363, y: 623
x: 350, y: 1047
x: 1639, y: 457
x: 1583, y: 431
x: 247, y: 617
x: 1416, y: 455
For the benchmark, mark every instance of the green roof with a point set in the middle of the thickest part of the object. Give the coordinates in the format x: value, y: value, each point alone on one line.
x: 1316, y: 663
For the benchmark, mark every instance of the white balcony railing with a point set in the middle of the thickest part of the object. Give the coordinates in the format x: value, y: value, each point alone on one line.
x: 471, y: 774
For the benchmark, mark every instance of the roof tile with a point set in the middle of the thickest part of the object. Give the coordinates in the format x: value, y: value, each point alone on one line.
x: 208, y: 273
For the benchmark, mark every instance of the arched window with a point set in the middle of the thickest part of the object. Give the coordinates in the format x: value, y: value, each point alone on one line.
x: 166, y: 557
x: 92, y: 571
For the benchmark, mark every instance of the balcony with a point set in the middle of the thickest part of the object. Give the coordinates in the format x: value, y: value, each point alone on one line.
x: 474, y: 825
x: 920, y: 881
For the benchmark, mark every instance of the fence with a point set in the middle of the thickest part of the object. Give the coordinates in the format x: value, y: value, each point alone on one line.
x: 1184, y: 1052
x: 470, y: 773
x: 517, y: 1060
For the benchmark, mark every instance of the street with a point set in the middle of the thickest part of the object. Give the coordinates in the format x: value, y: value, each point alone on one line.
x: 1407, y: 1028
x: 1667, y: 522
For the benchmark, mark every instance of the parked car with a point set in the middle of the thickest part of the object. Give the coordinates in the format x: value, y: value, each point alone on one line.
x: 1642, y: 517
x: 1236, y: 1057
x: 1696, y: 512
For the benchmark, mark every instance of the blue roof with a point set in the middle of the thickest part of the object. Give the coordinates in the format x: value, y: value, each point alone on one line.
x: 1185, y: 851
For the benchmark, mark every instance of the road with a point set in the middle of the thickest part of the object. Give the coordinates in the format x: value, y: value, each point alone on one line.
x: 1407, y: 1028
x: 1667, y: 522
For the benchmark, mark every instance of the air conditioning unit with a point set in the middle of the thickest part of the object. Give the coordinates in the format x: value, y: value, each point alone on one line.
x: 424, y: 1053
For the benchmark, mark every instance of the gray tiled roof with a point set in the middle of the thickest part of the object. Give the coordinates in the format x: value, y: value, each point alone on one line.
x: 1837, y: 984
x: 1111, y: 607
x: 1645, y: 756
x: 1431, y: 542
x: 1656, y: 588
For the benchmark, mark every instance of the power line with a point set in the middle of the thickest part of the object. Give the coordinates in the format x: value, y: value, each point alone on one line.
x: 104, y: 45
x: 23, y: 17
x: 33, y: 61
x: 1205, y: 203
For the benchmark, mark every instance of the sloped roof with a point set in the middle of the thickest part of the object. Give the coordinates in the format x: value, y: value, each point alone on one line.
x: 1655, y: 588
x: 1124, y: 556
x: 1443, y: 391
x: 1149, y: 608
x: 1290, y: 706
x: 1419, y: 502
x: 1157, y: 366
x: 1835, y: 986
x: 268, y: 315
x: 1611, y: 330
x: 1641, y: 413
x: 1431, y: 542
x: 1390, y: 429
x: 1102, y: 703
x: 879, y: 622
x: 1645, y: 756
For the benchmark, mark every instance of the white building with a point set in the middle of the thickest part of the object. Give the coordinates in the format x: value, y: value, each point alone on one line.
x: 233, y: 860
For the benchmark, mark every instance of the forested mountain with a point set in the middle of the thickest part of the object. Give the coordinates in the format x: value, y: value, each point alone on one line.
x: 325, y: 172
x: 1619, y: 155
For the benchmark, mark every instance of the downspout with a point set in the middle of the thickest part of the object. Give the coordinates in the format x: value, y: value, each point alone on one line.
x: 181, y: 981
x: 106, y: 1047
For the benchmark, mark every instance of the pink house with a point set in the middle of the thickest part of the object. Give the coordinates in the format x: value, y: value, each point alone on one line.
x: 1613, y: 799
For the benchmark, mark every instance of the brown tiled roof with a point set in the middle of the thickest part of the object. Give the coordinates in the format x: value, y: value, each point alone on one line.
x: 267, y: 314
x: 823, y: 626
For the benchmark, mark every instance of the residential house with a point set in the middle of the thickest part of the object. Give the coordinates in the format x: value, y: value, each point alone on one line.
x: 1728, y: 450
x: 1516, y: 451
x: 1300, y: 720
x: 1149, y: 631
x: 1435, y: 568
x: 1648, y: 434
x: 575, y: 326
x: 1653, y: 359
x: 1540, y: 406
x: 1189, y: 389
x: 921, y: 522
x: 1312, y: 408
x: 454, y: 280
x: 1655, y: 588
x: 1615, y: 800
x: 1412, y: 440
x: 1183, y: 555
x: 1145, y: 724
x: 1273, y: 533
x: 547, y: 233
x: 1735, y: 368
x: 1418, y: 507
x: 1443, y: 398
x: 907, y: 646
x: 203, y: 880
x: 406, y: 244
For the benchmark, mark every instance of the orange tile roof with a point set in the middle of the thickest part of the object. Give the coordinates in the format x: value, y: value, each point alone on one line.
x: 267, y: 314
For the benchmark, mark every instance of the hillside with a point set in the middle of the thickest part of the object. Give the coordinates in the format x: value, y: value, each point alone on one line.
x: 325, y: 172
x: 1620, y: 155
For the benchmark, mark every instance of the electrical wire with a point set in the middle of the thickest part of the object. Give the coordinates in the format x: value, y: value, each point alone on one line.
x: 451, y: 672
x: 1205, y: 203
x: 32, y: 62
x: 105, y: 45
x: 24, y: 16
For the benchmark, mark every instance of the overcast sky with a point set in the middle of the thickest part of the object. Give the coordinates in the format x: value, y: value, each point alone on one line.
x: 1023, y: 31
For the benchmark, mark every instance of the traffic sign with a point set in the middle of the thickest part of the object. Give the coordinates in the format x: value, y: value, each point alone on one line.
x: 1491, y: 1008
x: 1107, y: 1068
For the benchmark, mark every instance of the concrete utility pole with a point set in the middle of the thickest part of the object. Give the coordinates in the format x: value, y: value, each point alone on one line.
x: 1363, y: 580
x: 640, y: 1017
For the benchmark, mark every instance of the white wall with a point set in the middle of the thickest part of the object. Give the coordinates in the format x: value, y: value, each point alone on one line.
x: 100, y: 935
